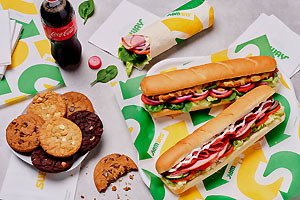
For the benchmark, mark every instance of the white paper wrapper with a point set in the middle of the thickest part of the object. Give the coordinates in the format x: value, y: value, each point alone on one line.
x: 267, y: 170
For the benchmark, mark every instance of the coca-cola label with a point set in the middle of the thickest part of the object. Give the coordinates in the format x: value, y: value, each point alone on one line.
x: 61, y: 33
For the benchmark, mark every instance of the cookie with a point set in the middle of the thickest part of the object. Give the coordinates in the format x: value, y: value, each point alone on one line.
x: 91, y: 128
x: 76, y: 101
x: 60, y: 137
x: 47, y: 105
x: 22, y: 134
x: 110, y: 168
x: 47, y: 163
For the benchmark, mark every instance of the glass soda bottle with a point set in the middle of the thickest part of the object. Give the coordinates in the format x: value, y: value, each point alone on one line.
x: 59, y: 22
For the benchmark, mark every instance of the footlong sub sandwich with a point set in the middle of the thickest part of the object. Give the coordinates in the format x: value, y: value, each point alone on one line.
x: 204, y: 86
x: 220, y: 140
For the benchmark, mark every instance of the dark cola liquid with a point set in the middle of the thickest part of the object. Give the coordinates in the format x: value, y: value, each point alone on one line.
x: 57, y: 14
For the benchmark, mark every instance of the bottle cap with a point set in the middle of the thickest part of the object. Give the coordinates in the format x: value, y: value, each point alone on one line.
x: 94, y: 62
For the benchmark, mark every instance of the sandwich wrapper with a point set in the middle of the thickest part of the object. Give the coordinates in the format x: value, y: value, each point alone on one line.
x: 5, y: 38
x: 267, y: 170
x: 163, y: 33
x: 32, y: 67
x: 23, y: 181
x: 284, y: 42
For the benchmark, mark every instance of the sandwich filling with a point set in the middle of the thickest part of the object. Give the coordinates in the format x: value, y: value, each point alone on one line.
x: 208, y: 94
x: 134, y: 51
x: 215, y: 151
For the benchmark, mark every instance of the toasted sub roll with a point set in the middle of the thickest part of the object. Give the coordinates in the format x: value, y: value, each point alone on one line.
x: 221, y: 140
x: 162, y: 91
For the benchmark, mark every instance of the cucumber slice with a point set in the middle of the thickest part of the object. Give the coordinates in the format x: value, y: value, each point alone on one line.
x: 181, y: 176
x: 211, y: 87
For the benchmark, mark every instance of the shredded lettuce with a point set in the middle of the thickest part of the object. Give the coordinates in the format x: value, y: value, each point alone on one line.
x: 202, y: 102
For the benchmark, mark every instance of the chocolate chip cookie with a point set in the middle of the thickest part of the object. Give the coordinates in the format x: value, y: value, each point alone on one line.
x: 22, y: 134
x: 47, y: 163
x: 76, y: 101
x: 60, y: 137
x: 91, y: 128
x: 110, y: 168
x: 47, y: 105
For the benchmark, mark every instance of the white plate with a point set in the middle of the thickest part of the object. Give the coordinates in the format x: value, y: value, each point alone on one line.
x: 27, y: 158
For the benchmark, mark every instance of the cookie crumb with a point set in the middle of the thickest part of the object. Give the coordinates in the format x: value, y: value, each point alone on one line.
x: 72, y: 175
x: 114, y: 188
x: 131, y: 176
x: 86, y: 173
x: 120, y: 180
x: 129, y: 183
x: 82, y: 196
x: 95, y: 199
x: 126, y: 188
x: 118, y: 197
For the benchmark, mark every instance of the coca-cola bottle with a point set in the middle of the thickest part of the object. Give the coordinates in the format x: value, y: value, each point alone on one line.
x: 58, y: 19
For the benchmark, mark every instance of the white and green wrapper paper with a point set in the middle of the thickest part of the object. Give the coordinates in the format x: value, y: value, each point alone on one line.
x: 267, y: 170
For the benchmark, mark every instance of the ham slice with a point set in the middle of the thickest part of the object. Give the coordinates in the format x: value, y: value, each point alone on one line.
x: 132, y: 41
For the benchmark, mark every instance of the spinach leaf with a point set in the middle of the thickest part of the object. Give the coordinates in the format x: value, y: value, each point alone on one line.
x: 155, y: 108
x: 187, y: 107
x: 211, y: 87
x: 231, y: 97
x: 86, y: 9
x: 216, y: 101
x: 125, y: 55
x: 175, y: 106
x: 105, y: 75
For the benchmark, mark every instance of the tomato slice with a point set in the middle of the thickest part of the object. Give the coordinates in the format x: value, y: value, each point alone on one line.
x: 245, y: 89
x: 228, y: 152
x: 188, y: 177
x: 263, y: 120
x: 145, y: 101
x: 203, y: 167
x: 198, y: 98
x: 273, y: 111
x: 140, y: 53
x: 220, y: 95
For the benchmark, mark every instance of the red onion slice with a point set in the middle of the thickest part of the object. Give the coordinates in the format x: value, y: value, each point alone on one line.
x: 184, y: 97
x: 244, y: 86
x: 261, y: 116
x: 262, y: 83
x: 219, y: 92
x: 201, y: 94
x: 152, y: 101
x: 145, y: 48
x: 275, y: 104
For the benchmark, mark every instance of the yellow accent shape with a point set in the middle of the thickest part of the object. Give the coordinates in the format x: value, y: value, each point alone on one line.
x: 48, y: 86
x: 43, y: 47
x: 191, y: 194
x: 113, y: 84
x: 283, y: 82
x: 20, y: 6
x: 211, y: 16
x: 190, y: 27
x: 130, y: 129
x: 16, y: 99
x: 19, y: 56
x: 176, y: 132
x: 246, y: 176
x: 168, y: 70
x: 299, y: 130
x: 219, y: 56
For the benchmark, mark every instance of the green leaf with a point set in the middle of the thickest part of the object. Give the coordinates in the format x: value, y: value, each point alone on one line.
x: 125, y: 55
x: 105, y: 75
x: 86, y: 9
x: 175, y: 106
x: 154, y: 108
x: 187, y: 107
x: 231, y: 97
x: 129, y: 67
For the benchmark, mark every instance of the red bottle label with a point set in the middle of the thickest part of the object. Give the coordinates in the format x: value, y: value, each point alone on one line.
x: 61, y: 33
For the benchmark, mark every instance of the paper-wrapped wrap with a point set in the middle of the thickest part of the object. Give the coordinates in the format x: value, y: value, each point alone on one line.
x: 165, y: 33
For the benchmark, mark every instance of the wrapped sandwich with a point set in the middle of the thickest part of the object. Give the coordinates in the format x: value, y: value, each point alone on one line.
x: 205, y: 86
x: 139, y: 48
x: 220, y: 140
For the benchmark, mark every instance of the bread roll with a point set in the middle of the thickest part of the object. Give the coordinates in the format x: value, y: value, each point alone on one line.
x: 213, y: 127
x: 185, y: 78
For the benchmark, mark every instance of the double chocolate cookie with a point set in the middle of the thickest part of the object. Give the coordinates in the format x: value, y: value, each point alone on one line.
x: 46, y: 163
x: 22, y: 134
x: 76, y: 101
x: 110, y: 168
x: 91, y: 128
